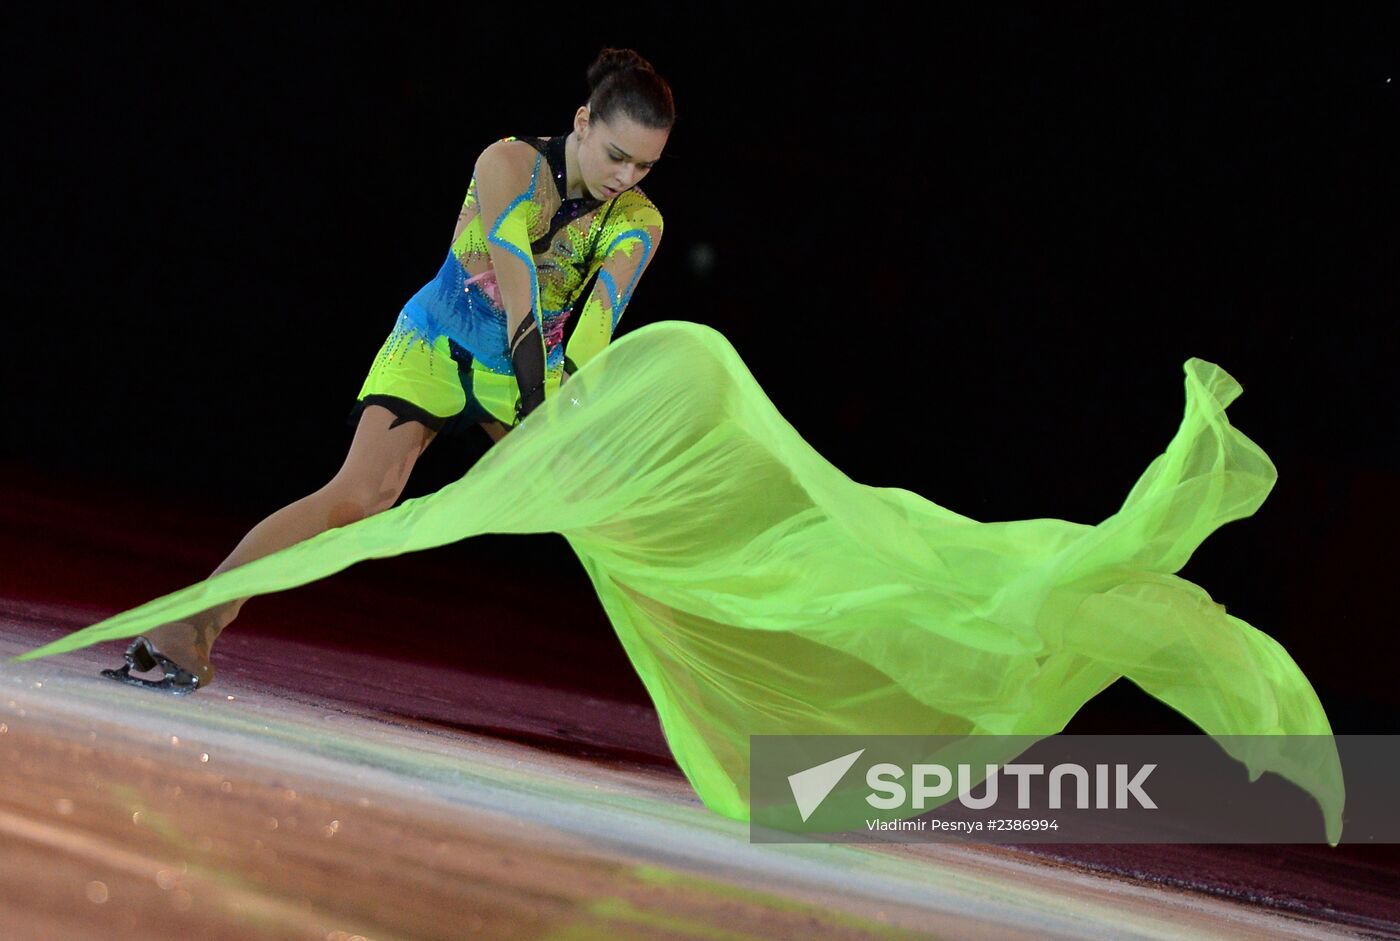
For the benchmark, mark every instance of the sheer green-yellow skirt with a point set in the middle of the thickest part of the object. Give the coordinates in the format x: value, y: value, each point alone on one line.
x: 757, y: 589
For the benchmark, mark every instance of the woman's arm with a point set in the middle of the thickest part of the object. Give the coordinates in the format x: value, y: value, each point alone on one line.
x: 632, y: 248
x: 507, y: 174
x: 628, y: 251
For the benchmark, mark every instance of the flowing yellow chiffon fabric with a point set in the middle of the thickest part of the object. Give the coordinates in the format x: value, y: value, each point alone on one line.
x: 757, y: 589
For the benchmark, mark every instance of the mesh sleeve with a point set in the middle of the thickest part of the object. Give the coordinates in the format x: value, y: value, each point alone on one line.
x: 629, y: 248
x: 506, y: 180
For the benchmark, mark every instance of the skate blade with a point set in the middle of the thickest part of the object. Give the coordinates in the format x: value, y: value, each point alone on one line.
x: 177, y: 680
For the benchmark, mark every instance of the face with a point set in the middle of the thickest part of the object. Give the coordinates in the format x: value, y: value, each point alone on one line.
x: 614, y: 155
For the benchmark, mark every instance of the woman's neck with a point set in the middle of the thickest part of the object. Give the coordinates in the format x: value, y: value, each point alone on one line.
x: 573, y: 176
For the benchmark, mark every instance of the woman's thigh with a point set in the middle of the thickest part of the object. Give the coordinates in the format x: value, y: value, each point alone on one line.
x: 381, y: 457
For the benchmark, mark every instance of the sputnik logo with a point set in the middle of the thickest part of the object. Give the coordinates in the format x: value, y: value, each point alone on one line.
x: 810, y: 787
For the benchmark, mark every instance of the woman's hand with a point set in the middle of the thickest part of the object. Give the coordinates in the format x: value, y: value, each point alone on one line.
x: 498, y: 430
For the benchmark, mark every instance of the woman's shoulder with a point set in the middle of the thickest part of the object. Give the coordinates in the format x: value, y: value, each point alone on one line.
x: 510, y: 152
x: 635, y: 207
x: 515, y: 142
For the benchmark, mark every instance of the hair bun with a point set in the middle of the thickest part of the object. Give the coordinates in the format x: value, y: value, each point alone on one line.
x: 621, y: 81
x: 614, y: 60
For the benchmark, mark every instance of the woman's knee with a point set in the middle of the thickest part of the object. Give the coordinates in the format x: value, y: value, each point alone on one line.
x: 342, y: 510
x: 348, y: 501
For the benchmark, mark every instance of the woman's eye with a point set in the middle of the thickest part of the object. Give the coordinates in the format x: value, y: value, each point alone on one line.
x: 641, y: 166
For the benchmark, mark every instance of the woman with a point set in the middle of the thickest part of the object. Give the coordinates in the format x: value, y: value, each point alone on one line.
x: 546, y: 223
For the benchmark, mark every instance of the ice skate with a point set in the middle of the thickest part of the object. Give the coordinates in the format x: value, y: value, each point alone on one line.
x: 180, y: 650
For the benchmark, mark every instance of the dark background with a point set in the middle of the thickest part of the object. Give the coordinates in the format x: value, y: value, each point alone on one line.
x: 964, y: 253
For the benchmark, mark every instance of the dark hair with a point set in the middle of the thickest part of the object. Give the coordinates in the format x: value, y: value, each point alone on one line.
x: 621, y: 80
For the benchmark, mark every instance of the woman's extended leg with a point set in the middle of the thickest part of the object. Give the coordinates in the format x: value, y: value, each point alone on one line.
x: 371, y: 480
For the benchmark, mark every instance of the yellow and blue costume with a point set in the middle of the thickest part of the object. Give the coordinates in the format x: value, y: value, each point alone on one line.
x: 446, y: 362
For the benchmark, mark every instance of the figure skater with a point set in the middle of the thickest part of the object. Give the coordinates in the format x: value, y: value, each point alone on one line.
x: 546, y: 222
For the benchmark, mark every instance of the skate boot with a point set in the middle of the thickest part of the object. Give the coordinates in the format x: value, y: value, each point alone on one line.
x: 180, y: 650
